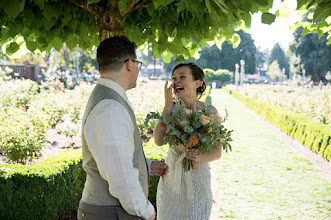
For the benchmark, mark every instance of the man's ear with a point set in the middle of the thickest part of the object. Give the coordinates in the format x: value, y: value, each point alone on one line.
x: 128, y: 65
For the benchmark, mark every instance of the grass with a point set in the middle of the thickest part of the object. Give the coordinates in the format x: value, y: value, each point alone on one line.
x: 263, y: 178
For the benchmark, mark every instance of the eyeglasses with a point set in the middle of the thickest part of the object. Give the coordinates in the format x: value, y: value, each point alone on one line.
x: 140, y: 64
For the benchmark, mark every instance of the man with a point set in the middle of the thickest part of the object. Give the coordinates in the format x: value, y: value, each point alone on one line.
x: 117, y: 178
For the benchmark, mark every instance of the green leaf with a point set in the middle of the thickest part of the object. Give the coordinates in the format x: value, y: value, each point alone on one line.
x: 31, y: 45
x: 224, y: 8
x: 12, y: 48
x: 209, y: 8
x: 157, y: 4
x: 166, y: 2
x: 179, y: 58
x: 300, y: 3
x: 166, y: 56
x: 52, y: 11
x: 28, y: 17
x: 305, y: 31
x: 150, y: 9
x: 14, y: 7
x: 283, y: 12
x: 268, y: 18
x: 40, y: 3
x: 122, y: 4
x: 57, y: 43
x: 92, y: 1
x: 321, y: 12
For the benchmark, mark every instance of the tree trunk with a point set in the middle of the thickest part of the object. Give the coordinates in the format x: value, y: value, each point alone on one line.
x: 108, y: 17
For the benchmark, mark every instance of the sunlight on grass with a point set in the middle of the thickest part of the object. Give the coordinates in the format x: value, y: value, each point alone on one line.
x: 263, y: 178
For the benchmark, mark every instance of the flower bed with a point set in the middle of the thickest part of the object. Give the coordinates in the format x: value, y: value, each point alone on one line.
x: 313, y: 103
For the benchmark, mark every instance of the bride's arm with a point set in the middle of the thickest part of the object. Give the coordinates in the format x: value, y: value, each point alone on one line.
x: 204, y: 158
x: 159, y: 131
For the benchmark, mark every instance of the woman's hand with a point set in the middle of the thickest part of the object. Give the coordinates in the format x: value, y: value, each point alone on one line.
x: 168, y: 95
x: 192, y: 154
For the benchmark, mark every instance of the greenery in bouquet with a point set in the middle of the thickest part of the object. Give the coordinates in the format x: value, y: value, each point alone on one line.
x: 194, y: 129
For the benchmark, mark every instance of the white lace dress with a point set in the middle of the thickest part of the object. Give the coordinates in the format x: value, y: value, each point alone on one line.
x: 184, y: 195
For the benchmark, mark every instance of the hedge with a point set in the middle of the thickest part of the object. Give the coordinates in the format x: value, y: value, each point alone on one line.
x: 205, y: 97
x: 313, y: 134
x: 47, y: 190
x: 52, y: 189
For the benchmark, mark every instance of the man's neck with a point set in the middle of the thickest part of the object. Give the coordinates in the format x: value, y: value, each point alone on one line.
x: 116, y: 77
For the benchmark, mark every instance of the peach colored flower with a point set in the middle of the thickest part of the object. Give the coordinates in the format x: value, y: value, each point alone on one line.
x: 204, y: 120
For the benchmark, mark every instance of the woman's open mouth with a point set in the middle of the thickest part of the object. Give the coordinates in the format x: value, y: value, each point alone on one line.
x: 179, y: 89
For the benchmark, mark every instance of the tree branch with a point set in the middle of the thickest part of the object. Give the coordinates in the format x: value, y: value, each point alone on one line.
x: 83, y: 5
x: 131, y: 6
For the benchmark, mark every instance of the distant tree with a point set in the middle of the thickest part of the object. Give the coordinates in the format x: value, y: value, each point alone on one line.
x: 312, y: 54
x: 274, y: 72
x: 261, y: 57
x: 277, y: 53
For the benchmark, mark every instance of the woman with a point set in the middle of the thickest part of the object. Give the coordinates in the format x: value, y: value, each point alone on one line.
x: 185, y: 195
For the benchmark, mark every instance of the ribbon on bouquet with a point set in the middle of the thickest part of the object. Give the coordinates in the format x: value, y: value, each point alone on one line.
x: 180, y: 174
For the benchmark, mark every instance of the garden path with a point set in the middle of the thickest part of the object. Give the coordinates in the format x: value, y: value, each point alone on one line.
x: 268, y: 175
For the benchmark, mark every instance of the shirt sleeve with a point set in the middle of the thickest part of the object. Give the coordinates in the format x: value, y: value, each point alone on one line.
x: 149, y: 162
x: 109, y: 135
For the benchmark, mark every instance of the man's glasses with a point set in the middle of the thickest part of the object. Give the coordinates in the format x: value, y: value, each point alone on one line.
x: 140, y: 64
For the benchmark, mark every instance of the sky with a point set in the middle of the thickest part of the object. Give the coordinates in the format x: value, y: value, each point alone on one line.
x: 266, y: 36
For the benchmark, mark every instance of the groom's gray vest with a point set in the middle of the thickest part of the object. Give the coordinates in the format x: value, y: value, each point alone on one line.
x: 96, y: 188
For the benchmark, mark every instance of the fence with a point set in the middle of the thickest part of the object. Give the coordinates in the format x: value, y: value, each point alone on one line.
x: 25, y: 71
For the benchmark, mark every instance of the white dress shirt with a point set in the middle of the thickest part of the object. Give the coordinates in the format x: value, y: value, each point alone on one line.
x: 109, y: 134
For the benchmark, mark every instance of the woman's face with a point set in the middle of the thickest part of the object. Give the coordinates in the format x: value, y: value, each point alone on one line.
x: 184, y: 84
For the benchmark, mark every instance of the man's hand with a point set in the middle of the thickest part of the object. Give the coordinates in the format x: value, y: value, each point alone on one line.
x: 160, y: 169
x: 152, y: 217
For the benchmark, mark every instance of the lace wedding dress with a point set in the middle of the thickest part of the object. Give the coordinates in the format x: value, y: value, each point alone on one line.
x: 185, y: 195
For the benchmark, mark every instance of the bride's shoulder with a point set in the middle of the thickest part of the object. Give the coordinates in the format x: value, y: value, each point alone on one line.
x: 211, y: 109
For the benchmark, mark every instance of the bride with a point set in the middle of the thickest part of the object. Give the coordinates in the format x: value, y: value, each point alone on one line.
x: 185, y: 195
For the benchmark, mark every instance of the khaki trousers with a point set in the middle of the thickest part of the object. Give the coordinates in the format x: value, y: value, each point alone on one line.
x: 106, y: 212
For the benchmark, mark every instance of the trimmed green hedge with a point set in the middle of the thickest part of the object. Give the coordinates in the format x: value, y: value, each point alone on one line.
x: 51, y: 189
x: 47, y: 190
x: 315, y: 135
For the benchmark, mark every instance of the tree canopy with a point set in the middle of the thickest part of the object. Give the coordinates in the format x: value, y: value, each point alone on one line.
x: 214, y: 58
x: 311, y: 54
x: 173, y: 27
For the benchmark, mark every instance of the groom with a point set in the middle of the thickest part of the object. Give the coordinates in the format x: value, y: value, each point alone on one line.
x: 117, y: 177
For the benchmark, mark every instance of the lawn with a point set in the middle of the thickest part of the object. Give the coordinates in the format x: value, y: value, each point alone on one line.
x: 263, y: 178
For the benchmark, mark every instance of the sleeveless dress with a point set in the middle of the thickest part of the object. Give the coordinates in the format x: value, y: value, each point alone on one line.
x: 185, y: 195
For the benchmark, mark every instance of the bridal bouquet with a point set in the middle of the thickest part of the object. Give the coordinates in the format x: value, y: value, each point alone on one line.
x: 194, y: 129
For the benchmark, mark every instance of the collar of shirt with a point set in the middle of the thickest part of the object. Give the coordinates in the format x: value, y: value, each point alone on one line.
x: 115, y: 86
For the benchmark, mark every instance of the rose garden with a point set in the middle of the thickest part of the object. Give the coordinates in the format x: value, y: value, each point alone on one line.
x: 278, y: 102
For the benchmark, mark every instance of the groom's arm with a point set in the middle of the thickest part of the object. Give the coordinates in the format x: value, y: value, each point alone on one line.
x: 110, y: 140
